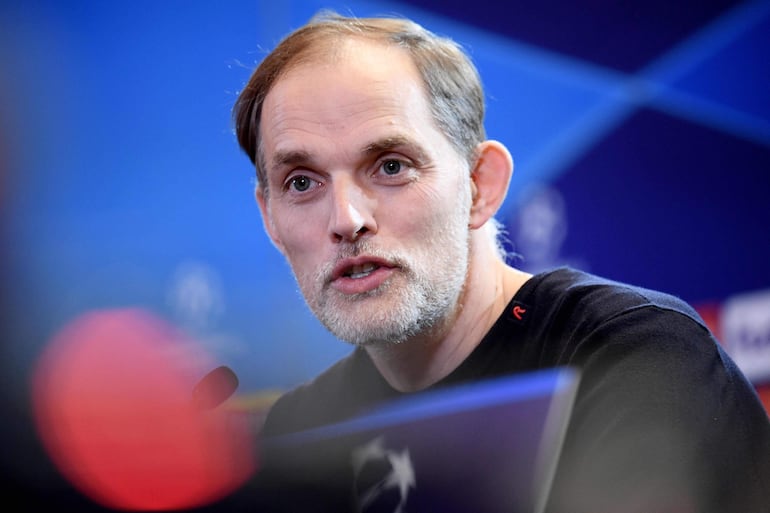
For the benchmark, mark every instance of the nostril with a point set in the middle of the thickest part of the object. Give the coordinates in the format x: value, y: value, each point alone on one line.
x: 359, y: 233
x: 350, y: 235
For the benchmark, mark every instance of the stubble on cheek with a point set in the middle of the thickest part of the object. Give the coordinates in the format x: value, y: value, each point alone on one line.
x: 359, y: 318
x: 422, y: 295
x: 316, y: 285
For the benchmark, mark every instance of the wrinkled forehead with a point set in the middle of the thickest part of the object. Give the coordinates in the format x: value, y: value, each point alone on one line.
x: 342, y: 113
x: 343, y: 79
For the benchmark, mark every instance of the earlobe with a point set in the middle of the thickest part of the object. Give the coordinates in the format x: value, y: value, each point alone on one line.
x: 267, y: 220
x: 489, y: 181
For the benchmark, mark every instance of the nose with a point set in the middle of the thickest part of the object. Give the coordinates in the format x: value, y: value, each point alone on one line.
x: 352, y: 212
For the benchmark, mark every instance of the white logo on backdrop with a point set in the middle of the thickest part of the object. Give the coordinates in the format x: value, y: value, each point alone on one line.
x: 745, y: 321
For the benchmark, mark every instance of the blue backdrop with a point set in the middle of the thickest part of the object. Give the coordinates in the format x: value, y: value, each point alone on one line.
x: 640, y: 132
x: 641, y: 136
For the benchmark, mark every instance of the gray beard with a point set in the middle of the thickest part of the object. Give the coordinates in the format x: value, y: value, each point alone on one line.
x: 420, y: 301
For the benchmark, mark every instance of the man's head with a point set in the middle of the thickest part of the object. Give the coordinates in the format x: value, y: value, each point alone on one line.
x: 376, y: 206
x: 449, y: 77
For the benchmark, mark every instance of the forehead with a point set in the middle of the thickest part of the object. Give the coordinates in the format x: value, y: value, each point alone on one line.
x: 360, y: 88
x: 347, y: 63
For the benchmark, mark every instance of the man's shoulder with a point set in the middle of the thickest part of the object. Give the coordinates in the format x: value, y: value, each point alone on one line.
x: 595, y: 297
x: 574, y: 315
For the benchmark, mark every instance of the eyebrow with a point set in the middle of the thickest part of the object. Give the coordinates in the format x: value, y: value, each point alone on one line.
x: 393, y: 143
x: 290, y: 158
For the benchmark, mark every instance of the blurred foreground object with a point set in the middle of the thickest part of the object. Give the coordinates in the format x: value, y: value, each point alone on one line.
x: 114, y: 405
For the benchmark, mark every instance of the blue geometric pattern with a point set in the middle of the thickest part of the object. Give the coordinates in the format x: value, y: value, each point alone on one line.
x: 640, y: 133
x: 126, y: 185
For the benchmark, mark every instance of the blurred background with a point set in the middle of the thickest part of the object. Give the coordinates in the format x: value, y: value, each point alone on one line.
x: 640, y: 132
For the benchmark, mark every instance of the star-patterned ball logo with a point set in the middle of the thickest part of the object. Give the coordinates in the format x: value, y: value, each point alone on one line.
x: 383, y: 477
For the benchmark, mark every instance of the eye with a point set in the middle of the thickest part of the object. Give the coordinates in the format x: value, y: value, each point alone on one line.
x: 300, y: 183
x: 391, y: 167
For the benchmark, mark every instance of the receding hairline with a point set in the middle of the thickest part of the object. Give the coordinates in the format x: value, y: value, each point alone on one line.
x: 430, y: 52
x: 330, y: 49
x: 328, y: 31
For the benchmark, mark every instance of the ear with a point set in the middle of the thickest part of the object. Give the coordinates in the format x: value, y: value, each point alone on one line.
x: 267, y: 220
x: 490, y: 178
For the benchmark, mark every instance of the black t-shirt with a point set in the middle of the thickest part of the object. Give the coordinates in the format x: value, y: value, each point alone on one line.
x: 663, y: 420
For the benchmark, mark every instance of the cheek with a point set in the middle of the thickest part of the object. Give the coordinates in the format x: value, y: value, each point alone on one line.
x: 430, y: 210
x: 301, y: 234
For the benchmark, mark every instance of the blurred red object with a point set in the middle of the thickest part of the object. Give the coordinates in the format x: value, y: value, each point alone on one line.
x: 114, y: 407
x: 764, y: 395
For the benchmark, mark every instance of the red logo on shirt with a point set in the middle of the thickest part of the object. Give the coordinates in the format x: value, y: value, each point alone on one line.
x: 519, y: 312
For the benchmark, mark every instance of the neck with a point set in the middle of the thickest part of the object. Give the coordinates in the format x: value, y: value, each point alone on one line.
x: 420, y: 362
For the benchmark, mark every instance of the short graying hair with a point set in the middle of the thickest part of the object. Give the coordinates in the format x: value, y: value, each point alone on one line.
x: 451, y: 80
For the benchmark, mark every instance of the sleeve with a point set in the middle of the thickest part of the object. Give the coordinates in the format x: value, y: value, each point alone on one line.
x: 663, y: 421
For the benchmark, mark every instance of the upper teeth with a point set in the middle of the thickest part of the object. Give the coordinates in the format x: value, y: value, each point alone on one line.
x: 359, y: 271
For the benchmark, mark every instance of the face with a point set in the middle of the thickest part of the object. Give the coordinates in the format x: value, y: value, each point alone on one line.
x: 366, y: 198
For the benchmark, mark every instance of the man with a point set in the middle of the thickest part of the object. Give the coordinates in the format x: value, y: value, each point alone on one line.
x: 378, y: 185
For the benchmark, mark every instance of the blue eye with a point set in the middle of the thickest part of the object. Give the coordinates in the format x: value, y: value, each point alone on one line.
x: 301, y: 183
x: 391, y: 167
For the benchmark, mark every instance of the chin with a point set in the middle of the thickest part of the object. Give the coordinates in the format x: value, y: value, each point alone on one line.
x: 370, y: 337
x: 365, y: 331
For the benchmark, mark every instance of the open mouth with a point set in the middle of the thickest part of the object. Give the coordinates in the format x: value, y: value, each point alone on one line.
x: 361, y: 271
x: 362, y: 274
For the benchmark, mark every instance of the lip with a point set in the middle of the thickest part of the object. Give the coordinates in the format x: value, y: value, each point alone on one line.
x: 347, y: 285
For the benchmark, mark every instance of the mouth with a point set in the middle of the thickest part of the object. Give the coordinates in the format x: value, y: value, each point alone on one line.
x: 358, y: 267
x: 360, y: 274
x: 360, y: 271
